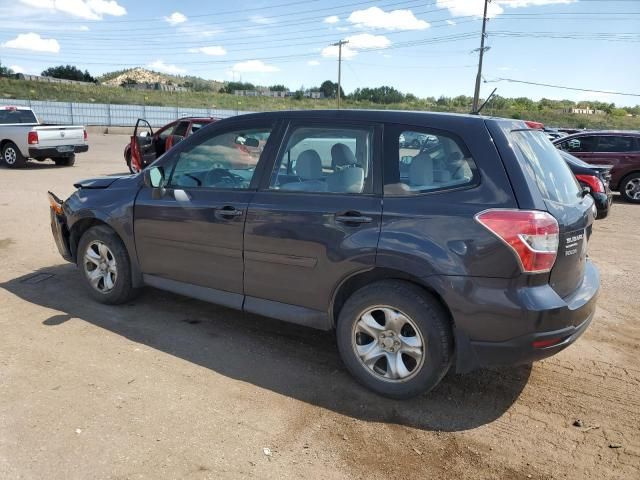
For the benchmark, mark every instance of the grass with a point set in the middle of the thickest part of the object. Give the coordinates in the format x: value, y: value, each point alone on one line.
x: 21, y: 89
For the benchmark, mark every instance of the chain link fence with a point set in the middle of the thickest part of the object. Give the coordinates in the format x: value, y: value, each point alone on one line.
x: 103, y: 114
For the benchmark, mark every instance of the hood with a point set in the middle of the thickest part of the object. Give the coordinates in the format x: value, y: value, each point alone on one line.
x: 98, y: 182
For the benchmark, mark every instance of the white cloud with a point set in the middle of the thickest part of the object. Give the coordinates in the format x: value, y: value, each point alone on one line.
x: 88, y: 9
x: 254, y: 66
x: 213, y: 50
x: 342, y: 29
x: 332, y: 19
x: 459, y: 8
x: 34, y: 42
x: 83, y: 28
x: 313, y: 63
x: 105, y: 7
x: 17, y: 68
x: 160, y: 66
x: 375, y: 17
x: 361, y: 41
x: 175, y: 18
x: 451, y: 22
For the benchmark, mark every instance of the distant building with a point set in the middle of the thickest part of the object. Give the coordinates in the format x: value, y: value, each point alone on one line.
x: 583, y: 111
x: 40, y: 78
x: 155, y: 86
x: 262, y: 92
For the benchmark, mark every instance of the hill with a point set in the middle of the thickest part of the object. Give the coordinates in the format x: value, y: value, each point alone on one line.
x: 143, y: 75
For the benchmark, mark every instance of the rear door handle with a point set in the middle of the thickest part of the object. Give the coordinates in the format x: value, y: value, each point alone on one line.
x: 352, y: 217
x: 227, y: 212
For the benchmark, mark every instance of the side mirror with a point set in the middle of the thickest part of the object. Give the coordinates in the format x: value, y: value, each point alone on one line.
x: 154, y: 177
x: 252, y: 142
x: 144, y: 134
x: 586, y: 191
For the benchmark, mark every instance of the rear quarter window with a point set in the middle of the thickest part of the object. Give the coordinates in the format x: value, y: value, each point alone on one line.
x: 17, y: 116
x: 543, y: 162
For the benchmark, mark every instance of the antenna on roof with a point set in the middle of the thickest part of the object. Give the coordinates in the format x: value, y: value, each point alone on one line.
x: 477, y: 112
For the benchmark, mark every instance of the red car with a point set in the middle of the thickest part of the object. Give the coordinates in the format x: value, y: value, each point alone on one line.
x: 145, y: 145
x: 620, y: 149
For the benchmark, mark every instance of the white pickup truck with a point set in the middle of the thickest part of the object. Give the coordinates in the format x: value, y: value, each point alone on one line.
x: 23, y: 137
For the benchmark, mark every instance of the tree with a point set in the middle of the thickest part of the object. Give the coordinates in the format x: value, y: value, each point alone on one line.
x: 278, y: 88
x: 231, y: 86
x: 68, y: 72
x: 5, y: 71
x: 330, y: 89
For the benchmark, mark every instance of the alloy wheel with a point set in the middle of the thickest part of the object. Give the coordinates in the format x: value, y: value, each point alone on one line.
x: 632, y: 188
x: 100, y: 266
x: 388, y: 344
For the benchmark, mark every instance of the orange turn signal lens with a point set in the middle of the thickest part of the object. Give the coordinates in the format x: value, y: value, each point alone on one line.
x: 56, y: 206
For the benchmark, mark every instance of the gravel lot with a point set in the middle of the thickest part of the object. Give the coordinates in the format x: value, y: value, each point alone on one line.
x: 168, y: 387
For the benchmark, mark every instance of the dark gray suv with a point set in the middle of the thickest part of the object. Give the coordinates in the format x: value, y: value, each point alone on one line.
x: 468, y: 247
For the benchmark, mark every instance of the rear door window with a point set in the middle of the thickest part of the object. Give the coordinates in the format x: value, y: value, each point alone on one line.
x: 611, y: 143
x: 544, y: 163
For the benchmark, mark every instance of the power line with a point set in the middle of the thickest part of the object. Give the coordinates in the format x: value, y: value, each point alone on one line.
x: 511, y: 80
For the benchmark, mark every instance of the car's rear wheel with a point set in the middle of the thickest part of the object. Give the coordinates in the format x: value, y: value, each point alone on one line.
x: 65, y: 161
x: 105, y: 266
x: 12, y: 157
x: 630, y: 188
x: 395, y: 338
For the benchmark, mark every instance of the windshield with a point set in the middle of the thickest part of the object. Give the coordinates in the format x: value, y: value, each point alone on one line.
x: 543, y: 161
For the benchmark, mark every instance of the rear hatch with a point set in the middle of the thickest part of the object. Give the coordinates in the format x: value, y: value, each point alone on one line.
x: 55, y: 136
x: 564, y: 200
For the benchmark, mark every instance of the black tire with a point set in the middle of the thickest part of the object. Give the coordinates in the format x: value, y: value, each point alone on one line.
x: 426, y: 313
x: 12, y: 157
x: 632, y: 177
x: 122, y: 289
x: 65, y: 161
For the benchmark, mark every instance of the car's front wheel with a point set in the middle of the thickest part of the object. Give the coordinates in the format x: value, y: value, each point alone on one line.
x: 104, y: 263
x: 395, y: 338
x: 630, y: 188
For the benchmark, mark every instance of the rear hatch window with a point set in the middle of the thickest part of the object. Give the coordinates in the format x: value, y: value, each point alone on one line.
x: 564, y: 200
x: 554, y: 178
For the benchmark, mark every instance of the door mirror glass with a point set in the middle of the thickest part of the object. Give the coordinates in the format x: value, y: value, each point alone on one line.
x: 155, y: 176
x: 144, y: 134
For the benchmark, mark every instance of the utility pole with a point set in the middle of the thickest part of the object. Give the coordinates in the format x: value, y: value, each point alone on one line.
x: 339, y: 45
x: 476, y: 93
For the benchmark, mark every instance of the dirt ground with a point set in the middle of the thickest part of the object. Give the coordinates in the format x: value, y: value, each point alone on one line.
x: 168, y: 387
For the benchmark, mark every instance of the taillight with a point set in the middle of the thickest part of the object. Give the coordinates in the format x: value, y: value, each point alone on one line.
x: 595, y: 184
x: 32, y: 138
x: 532, y: 235
x: 85, y: 135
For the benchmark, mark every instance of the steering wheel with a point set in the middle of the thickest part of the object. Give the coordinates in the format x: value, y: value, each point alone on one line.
x: 217, y: 176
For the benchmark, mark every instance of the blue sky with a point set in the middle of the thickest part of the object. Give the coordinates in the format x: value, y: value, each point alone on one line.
x: 422, y: 47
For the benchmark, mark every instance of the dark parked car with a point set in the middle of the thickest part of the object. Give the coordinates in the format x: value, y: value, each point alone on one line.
x: 477, y: 257
x: 621, y: 150
x: 145, y: 145
x: 595, y: 178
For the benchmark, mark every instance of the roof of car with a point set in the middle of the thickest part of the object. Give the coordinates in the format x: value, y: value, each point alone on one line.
x: 633, y: 133
x: 375, y: 115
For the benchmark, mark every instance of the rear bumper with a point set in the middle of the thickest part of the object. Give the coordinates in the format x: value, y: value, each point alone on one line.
x: 53, y: 152
x: 499, y: 324
x: 603, y: 203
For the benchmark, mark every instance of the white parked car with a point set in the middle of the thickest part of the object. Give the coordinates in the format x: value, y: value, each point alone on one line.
x: 23, y: 137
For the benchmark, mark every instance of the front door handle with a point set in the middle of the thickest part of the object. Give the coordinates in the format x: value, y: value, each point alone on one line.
x: 352, y: 217
x: 227, y: 212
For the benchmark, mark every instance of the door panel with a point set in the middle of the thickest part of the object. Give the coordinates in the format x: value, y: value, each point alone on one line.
x: 143, y: 150
x: 184, y: 235
x: 316, y: 220
x: 191, y: 229
x: 297, y: 251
